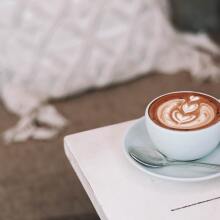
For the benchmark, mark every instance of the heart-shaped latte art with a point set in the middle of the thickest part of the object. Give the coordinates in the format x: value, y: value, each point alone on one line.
x: 187, y: 107
x: 181, y: 118
x: 188, y: 113
x: 194, y: 98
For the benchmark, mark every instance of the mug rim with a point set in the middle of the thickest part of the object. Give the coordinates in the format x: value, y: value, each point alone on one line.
x: 176, y: 130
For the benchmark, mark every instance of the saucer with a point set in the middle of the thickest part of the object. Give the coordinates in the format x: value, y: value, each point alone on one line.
x: 137, y: 136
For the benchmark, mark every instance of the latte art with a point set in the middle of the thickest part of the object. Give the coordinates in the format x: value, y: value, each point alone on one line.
x: 183, y: 114
x: 184, y: 111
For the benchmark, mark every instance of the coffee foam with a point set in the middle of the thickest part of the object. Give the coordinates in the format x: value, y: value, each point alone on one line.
x: 180, y: 114
x: 186, y: 112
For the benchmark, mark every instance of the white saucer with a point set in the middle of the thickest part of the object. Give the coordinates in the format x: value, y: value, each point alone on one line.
x: 137, y: 136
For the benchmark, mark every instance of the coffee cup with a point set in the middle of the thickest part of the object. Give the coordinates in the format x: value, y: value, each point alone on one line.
x: 186, y: 125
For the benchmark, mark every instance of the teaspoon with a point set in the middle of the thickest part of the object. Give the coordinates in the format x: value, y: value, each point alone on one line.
x: 154, y: 159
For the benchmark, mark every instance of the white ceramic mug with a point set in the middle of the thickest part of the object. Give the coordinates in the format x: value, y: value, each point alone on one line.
x: 183, y: 145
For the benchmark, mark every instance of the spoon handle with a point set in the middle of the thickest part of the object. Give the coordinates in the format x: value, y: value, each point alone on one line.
x: 197, y: 164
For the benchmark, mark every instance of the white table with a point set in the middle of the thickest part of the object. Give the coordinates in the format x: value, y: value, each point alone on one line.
x: 119, y: 191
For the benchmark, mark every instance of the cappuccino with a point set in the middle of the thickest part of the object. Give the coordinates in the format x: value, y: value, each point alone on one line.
x: 185, y: 111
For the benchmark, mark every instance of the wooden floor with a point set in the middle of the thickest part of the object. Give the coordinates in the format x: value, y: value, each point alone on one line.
x: 37, y: 182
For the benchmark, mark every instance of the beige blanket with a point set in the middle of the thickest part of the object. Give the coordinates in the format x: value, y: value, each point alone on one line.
x: 52, y: 48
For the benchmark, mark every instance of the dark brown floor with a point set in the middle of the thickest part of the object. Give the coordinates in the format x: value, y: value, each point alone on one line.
x: 36, y: 180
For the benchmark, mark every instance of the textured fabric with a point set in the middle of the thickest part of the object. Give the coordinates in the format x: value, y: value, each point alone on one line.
x: 52, y: 48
